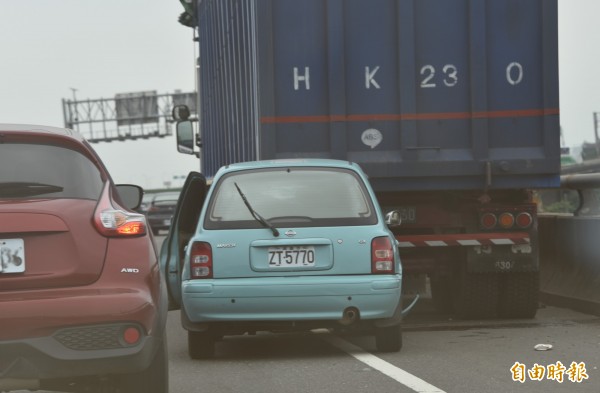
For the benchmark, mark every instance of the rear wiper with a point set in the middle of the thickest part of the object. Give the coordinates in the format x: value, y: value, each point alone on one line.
x: 256, y: 216
x: 25, y: 189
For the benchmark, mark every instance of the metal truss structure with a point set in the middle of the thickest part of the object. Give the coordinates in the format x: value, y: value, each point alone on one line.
x: 128, y: 116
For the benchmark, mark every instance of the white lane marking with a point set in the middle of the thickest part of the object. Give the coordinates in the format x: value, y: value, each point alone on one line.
x: 396, y: 373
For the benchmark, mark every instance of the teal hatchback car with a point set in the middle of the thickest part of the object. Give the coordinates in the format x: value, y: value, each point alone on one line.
x: 283, y: 245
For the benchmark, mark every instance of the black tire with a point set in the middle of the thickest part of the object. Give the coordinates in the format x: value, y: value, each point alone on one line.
x: 155, y: 379
x: 388, y: 339
x: 441, y: 293
x: 519, y: 295
x: 201, y: 345
x: 476, y: 295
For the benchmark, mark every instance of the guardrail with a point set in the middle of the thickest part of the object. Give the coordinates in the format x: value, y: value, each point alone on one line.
x: 570, y: 249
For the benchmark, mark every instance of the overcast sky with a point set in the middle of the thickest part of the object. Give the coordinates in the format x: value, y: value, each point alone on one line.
x: 106, y: 47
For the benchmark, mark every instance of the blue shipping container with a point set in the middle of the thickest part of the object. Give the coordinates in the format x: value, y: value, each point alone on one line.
x: 423, y: 94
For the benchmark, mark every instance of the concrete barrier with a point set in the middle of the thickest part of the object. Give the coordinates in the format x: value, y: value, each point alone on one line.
x: 570, y: 262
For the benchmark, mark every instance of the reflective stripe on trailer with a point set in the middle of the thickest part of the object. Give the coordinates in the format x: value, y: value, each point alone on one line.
x: 463, y: 239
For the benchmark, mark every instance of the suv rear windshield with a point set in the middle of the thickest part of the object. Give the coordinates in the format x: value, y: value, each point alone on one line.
x: 165, y: 199
x: 31, y: 171
x: 298, y: 197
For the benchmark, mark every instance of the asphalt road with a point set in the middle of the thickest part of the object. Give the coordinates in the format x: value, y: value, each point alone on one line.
x: 439, y: 355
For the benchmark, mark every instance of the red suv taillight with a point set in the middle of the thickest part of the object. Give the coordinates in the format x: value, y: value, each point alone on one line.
x: 201, y: 263
x: 382, y: 256
x: 114, y: 222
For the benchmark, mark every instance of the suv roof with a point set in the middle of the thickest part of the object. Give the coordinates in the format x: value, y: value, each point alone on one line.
x: 29, y: 128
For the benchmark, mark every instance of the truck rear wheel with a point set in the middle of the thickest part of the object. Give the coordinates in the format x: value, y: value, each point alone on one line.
x: 476, y: 295
x: 519, y: 294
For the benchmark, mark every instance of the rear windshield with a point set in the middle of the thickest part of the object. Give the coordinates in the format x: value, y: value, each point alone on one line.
x: 166, y: 199
x: 298, y: 197
x: 30, y: 171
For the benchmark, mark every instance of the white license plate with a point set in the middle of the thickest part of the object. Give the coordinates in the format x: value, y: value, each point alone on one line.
x: 12, y: 256
x: 291, y: 256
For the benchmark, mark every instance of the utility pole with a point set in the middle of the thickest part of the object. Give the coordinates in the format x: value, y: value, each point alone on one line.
x: 597, y: 145
x: 73, y: 112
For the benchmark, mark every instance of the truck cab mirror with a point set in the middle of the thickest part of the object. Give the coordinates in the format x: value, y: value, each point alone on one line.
x: 181, y: 112
x: 393, y: 219
x: 185, y: 137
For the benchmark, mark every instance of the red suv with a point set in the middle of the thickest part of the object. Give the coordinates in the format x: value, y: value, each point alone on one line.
x: 82, y: 301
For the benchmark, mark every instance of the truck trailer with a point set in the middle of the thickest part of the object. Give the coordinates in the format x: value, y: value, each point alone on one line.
x: 450, y: 107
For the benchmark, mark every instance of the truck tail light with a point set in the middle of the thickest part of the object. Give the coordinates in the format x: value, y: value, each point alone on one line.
x: 522, y: 217
x: 488, y: 220
x: 201, y: 262
x: 382, y: 256
x: 112, y: 221
x: 524, y: 220
x: 506, y: 220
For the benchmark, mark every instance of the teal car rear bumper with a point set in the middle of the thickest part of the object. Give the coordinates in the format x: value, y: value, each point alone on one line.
x: 317, y: 299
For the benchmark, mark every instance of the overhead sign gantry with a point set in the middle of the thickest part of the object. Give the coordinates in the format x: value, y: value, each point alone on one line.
x: 126, y: 116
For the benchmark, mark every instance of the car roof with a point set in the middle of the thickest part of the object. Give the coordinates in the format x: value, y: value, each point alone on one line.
x: 166, y: 195
x: 47, y: 130
x: 296, y: 162
x: 64, y: 136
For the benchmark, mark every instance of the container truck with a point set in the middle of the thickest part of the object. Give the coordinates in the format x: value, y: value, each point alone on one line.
x: 450, y: 107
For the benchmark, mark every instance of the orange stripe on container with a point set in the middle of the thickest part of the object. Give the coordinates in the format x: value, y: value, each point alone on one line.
x: 410, y: 116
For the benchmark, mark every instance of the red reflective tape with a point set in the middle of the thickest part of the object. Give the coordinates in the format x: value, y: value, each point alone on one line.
x: 409, y: 116
x: 468, y: 239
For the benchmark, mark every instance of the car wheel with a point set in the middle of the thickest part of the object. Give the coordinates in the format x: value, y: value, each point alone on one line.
x: 201, y: 345
x: 388, y: 339
x: 155, y: 379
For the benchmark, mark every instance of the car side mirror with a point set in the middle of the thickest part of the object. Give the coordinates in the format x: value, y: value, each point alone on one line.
x: 130, y: 195
x: 393, y: 219
x: 185, y: 137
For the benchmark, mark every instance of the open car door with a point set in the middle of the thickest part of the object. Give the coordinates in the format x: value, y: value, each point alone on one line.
x: 185, y: 220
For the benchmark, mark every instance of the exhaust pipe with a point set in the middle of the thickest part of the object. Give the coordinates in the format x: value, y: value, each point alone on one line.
x: 349, y: 316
